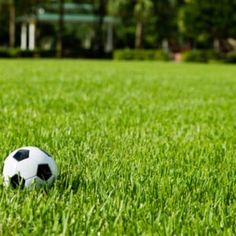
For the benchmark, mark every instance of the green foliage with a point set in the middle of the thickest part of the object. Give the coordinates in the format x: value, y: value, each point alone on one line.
x: 143, y: 148
x: 195, y: 56
x: 17, y: 52
x: 142, y: 23
x: 143, y: 9
x: 161, y: 55
x: 133, y: 54
x: 9, y: 52
x: 213, y: 55
x: 45, y: 53
x: 141, y: 54
x: 206, y: 20
x: 166, y: 20
x: 27, y: 53
x: 231, y: 57
x: 201, y: 56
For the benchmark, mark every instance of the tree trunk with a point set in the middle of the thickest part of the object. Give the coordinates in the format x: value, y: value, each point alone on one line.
x: 60, y: 29
x: 139, y: 35
x: 12, y: 26
x: 99, y: 29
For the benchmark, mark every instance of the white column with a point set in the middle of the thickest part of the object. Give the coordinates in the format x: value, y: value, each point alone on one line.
x: 109, y: 43
x: 23, y: 44
x: 165, y: 45
x: 32, y: 29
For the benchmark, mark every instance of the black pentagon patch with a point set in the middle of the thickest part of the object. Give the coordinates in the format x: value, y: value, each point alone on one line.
x: 44, y: 172
x: 17, y: 181
x: 21, y: 155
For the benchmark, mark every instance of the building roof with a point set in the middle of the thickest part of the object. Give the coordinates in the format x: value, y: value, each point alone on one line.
x: 68, y: 18
x: 84, y: 14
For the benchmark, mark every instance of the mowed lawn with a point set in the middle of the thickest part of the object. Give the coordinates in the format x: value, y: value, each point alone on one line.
x: 143, y: 147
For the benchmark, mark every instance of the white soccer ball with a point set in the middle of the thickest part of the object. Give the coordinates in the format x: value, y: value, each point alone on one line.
x: 28, y: 166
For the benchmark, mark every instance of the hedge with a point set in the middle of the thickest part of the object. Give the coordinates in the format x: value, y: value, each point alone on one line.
x: 202, y: 56
x: 141, y: 54
x: 231, y: 57
x: 16, y: 52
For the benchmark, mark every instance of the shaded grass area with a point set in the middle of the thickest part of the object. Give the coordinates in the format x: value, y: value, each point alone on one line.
x: 142, y: 147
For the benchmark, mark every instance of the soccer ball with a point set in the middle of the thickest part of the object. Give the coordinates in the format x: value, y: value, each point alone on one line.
x: 28, y: 166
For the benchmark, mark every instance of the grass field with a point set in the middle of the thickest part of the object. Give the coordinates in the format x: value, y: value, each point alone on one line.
x: 143, y: 147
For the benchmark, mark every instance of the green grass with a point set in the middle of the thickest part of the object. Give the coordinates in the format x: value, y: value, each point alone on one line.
x: 142, y: 147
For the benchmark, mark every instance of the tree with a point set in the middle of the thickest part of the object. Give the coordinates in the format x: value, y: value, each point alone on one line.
x: 101, y: 12
x: 142, y: 11
x: 12, y: 26
x: 139, y: 10
x: 166, y: 15
x: 123, y: 10
x: 60, y: 29
x: 212, y: 20
x: 11, y: 6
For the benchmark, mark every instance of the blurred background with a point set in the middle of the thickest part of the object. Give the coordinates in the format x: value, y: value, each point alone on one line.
x: 188, y: 30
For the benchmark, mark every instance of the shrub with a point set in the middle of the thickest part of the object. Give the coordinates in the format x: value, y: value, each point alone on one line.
x: 140, y: 54
x: 231, y: 57
x: 46, y: 53
x: 9, y: 52
x: 17, y: 52
x: 125, y: 54
x: 27, y: 53
x: 195, y: 56
x: 213, y: 55
x: 5, y: 53
x: 161, y: 55
x: 202, y: 56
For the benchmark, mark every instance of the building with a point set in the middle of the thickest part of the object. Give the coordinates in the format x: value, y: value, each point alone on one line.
x: 76, y: 14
